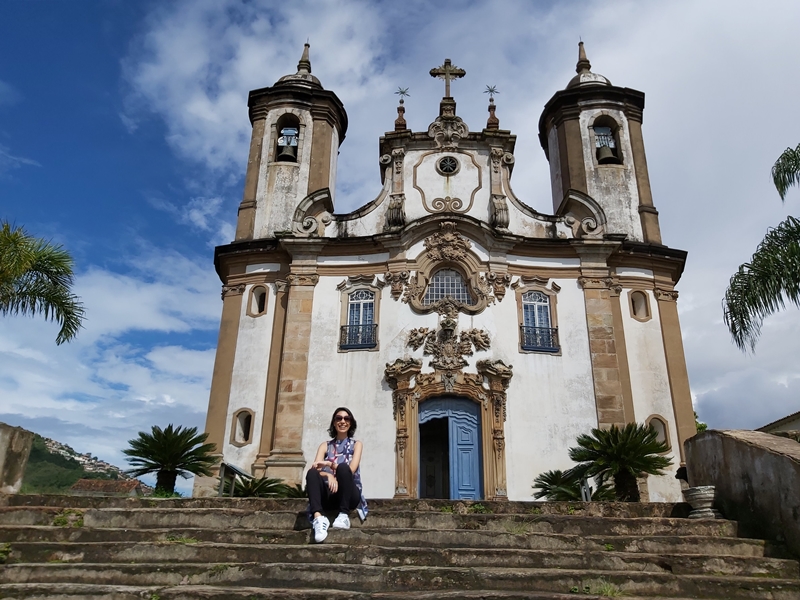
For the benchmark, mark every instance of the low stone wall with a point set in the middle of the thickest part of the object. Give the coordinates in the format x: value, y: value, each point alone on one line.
x: 757, y: 476
x: 15, y: 447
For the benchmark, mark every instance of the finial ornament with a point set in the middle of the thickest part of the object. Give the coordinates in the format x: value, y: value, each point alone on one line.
x: 403, y: 93
x: 304, y: 66
x: 583, y: 66
x: 491, y: 90
x: 400, y: 121
x: 447, y: 71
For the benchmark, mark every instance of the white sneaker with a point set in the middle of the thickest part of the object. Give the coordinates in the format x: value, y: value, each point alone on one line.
x: 320, y: 526
x: 341, y: 522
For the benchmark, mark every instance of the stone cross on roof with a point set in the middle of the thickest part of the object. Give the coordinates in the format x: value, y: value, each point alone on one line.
x: 447, y: 72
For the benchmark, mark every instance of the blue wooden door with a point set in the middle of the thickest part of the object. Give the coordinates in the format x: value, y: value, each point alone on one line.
x: 466, y: 472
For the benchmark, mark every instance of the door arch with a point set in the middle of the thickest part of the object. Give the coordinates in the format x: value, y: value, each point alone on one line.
x: 461, y: 464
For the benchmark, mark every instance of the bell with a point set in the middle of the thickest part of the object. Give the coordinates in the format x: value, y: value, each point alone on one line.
x: 605, y: 156
x: 288, y: 154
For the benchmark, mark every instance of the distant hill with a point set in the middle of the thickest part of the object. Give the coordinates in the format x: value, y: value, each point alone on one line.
x: 54, y: 467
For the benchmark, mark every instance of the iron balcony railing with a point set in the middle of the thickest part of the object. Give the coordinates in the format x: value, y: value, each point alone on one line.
x: 541, y: 339
x: 358, y: 336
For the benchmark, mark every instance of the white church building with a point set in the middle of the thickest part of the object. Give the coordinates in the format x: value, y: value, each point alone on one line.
x: 473, y: 337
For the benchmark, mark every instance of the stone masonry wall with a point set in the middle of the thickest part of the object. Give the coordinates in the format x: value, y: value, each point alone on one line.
x: 15, y: 446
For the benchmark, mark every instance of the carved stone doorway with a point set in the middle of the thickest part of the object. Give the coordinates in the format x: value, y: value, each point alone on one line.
x: 450, y: 449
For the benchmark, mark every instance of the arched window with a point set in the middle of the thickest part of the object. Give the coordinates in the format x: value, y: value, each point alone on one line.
x: 258, y: 301
x: 361, y: 329
x: 640, y: 307
x: 242, y: 428
x: 288, y: 129
x: 537, y: 331
x: 660, y: 427
x: 447, y: 283
x: 606, y: 141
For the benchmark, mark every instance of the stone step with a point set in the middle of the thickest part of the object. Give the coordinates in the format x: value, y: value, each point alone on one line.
x: 390, y: 556
x: 598, y: 509
x: 400, y: 579
x: 445, y: 538
x: 190, y: 592
x: 216, y: 518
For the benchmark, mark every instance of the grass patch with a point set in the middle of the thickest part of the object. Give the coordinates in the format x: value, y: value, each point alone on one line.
x: 5, y: 552
x: 535, y: 510
x: 180, y: 539
x: 447, y: 509
x: 479, y: 509
x: 609, y: 547
x: 601, y: 587
x: 69, y: 517
x: 516, y: 527
x: 219, y: 569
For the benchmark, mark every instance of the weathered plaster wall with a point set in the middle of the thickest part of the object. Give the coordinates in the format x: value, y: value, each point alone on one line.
x: 650, y: 387
x: 282, y: 185
x: 249, y: 379
x: 613, y: 186
x: 15, y: 447
x: 757, y: 480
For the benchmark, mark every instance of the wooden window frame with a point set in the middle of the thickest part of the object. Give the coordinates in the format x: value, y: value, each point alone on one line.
x: 536, y: 284
x: 347, y: 287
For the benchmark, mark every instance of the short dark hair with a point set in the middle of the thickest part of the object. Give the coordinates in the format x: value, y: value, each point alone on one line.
x: 350, y: 432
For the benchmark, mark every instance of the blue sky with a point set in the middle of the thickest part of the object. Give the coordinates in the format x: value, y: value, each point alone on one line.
x: 124, y: 133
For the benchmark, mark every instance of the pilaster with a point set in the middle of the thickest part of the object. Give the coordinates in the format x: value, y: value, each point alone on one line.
x: 601, y: 291
x: 286, y: 460
x: 217, y: 417
x: 676, y: 365
x: 245, y: 225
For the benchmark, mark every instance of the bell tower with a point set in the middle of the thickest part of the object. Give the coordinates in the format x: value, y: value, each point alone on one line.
x: 591, y: 133
x: 297, y: 129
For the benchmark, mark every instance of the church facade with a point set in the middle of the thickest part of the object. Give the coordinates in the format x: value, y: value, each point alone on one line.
x: 473, y: 337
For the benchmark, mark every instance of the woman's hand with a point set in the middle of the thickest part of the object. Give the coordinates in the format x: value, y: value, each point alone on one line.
x: 333, y: 485
x: 321, y: 464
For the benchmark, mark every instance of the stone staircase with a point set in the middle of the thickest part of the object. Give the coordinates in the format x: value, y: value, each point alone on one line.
x: 57, y: 547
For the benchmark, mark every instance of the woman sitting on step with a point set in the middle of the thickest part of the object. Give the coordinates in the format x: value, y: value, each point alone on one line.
x: 334, y: 480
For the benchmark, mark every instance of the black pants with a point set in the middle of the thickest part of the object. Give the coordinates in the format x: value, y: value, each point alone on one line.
x: 320, y: 498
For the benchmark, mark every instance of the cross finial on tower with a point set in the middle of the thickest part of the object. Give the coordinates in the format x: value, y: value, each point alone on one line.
x: 447, y: 72
x: 583, y: 66
x: 304, y: 66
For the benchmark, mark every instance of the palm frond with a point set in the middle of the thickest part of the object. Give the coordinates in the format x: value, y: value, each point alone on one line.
x: 762, y: 286
x: 36, y: 278
x: 786, y: 171
x: 565, y: 486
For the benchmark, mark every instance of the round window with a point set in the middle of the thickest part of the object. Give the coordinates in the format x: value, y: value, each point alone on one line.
x: 447, y: 165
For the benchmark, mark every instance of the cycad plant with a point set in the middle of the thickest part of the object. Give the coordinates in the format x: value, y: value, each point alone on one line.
x: 565, y: 486
x: 36, y: 279
x: 170, y: 452
x: 762, y: 286
x: 621, y: 455
x: 266, y: 487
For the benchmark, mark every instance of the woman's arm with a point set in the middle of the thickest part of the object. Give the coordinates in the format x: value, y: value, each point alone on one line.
x: 319, y: 459
x: 356, y: 460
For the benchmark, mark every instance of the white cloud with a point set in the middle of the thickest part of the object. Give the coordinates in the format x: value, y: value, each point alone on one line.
x: 9, y: 161
x: 9, y: 94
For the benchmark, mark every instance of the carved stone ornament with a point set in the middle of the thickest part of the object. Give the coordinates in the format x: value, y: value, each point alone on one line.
x: 584, y: 228
x: 296, y: 280
x: 448, y: 244
x: 312, y: 226
x: 496, y: 156
x: 397, y: 281
x: 354, y: 280
x: 395, y: 213
x: 666, y: 295
x: 596, y: 283
x: 397, y: 156
x: 499, y: 216
x: 499, y: 283
x: 446, y: 347
x: 232, y: 290
x: 446, y: 204
x: 448, y: 129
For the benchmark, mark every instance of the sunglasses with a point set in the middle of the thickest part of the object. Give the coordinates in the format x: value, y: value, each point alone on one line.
x: 338, y: 418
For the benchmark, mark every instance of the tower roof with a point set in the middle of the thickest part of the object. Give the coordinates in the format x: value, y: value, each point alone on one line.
x: 303, y: 75
x: 584, y: 75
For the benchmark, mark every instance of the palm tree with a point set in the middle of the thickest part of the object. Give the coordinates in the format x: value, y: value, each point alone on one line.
x: 561, y: 486
x: 267, y: 487
x: 622, y: 455
x: 762, y: 286
x: 36, y: 278
x: 170, y: 452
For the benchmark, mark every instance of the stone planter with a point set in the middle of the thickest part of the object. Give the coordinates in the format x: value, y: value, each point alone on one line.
x: 701, y: 499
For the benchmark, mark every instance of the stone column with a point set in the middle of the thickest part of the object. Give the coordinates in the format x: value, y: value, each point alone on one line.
x: 597, y: 285
x: 273, y: 378
x: 286, y: 460
x: 676, y: 366
x: 247, y: 209
x: 15, y: 447
x: 217, y: 417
